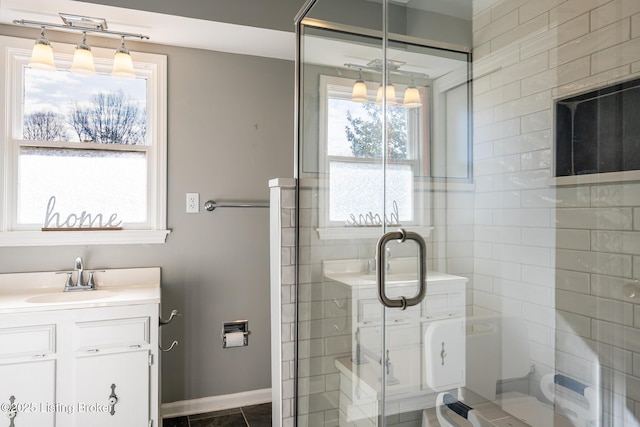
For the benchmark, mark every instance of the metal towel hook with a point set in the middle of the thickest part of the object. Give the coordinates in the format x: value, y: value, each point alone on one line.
x: 163, y: 322
x: 173, y: 314
x: 173, y: 344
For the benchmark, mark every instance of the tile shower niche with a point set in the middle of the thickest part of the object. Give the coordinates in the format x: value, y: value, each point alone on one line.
x: 599, y: 131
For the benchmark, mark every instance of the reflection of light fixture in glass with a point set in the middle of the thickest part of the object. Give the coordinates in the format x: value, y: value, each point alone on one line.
x: 412, y: 96
x: 83, y: 58
x: 42, y: 54
x: 390, y: 94
x: 122, y: 63
x: 359, y: 92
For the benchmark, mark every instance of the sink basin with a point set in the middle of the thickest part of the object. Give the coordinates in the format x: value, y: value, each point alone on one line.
x: 73, y: 296
x: 44, y: 290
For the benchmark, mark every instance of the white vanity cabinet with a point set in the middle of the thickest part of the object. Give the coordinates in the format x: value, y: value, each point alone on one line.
x: 405, y: 330
x: 85, y: 359
x: 119, y: 385
x: 27, y: 372
x: 115, y: 353
x: 28, y: 382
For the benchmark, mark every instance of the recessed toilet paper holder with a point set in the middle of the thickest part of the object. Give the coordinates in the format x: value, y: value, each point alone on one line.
x: 235, y: 327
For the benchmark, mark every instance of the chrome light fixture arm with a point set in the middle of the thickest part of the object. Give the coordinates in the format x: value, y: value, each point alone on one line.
x: 68, y: 27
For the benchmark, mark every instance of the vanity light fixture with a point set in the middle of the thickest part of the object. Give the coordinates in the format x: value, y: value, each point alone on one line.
x: 42, y: 54
x: 390, y: 93
x: 411, y: 94
x: 122, y: 62
x: 359, y: 92
x: 83, y: 58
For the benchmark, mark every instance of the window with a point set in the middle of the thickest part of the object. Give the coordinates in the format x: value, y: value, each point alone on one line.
x: 82, y: 151
x: 350, y: 133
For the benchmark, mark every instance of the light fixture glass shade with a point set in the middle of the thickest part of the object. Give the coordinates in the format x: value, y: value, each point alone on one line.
x: 42, y: 57
x: 359, y: 93
x: 390, y: 95
x: 83, y: 58
x: 122, y: 63
x: 42, y: 54
x: 412, y: 97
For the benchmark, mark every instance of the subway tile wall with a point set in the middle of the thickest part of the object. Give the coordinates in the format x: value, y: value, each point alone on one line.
x: 324, y: 325
x: 559, y: 256
x: 283, y: 299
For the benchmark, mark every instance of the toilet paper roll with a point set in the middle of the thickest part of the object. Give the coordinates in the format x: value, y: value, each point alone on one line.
x: 234, y: 339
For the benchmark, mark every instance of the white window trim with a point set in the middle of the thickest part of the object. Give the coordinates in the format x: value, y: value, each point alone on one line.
x: 328, y: 230
x: 154, y: 67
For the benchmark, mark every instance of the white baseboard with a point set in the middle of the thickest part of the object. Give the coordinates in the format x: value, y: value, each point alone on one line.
x: 215, y: 403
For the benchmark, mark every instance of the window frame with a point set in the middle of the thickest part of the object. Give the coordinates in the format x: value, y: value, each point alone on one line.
x: 15, y: 54
x: 419, y: 161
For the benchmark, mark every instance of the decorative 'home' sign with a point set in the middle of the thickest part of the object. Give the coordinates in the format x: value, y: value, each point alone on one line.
x: 75, y: 222
x: 374, y: 220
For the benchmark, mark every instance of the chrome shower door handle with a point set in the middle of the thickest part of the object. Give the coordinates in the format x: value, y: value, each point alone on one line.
x: 402, y: 302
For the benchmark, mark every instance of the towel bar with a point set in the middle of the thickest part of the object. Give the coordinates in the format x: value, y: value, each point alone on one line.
x: 212, y: 204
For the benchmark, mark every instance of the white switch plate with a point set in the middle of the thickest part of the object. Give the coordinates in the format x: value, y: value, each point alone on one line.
x: 193, y: 202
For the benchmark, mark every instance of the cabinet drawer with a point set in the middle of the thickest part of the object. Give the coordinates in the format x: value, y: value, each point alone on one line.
x: 112, y: 333
x: 443, y: 305
x: 370, y: 312
x: 27, y: 341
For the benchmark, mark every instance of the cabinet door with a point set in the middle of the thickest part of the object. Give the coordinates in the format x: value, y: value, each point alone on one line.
x: 403, y: 340
x: 33, y: 386
x: 124, y: 374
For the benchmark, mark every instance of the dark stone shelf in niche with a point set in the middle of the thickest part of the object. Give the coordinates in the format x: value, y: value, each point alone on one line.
x: 599, y: 131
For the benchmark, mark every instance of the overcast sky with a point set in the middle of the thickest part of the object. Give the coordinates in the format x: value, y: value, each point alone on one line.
x: 57, y: 90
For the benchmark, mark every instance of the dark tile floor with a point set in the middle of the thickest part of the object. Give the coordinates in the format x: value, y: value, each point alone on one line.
x: 246, y: 416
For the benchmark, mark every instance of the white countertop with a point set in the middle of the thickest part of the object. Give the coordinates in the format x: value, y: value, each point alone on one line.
x: 39, y: 291
x: 360, y: 279
x: 353, y: 272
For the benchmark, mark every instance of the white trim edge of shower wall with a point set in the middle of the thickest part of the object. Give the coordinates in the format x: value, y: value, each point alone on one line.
x: 215, y: 403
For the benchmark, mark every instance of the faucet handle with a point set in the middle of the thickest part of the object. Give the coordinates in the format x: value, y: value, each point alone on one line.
x: 69, y: 283
x: 371, y: 265
x: 91, y: 281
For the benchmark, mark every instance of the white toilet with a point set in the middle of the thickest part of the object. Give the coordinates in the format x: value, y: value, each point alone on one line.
x: 465, y: 358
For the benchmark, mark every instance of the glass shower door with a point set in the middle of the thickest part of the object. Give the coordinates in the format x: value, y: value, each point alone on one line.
x: 533, y: 263
x: 383, y: 121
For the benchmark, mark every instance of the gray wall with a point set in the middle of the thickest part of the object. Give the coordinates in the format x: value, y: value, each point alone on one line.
x: 230, y: 129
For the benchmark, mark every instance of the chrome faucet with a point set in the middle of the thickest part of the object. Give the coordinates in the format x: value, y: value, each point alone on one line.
x: 388, y: 259
x: 79, y: 285
x: 80, y: 269
x: 371, y: 264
